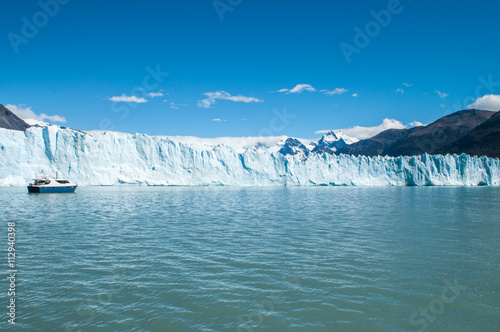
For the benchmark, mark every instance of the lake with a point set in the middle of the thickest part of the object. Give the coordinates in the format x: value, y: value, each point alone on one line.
x: 255, y: 259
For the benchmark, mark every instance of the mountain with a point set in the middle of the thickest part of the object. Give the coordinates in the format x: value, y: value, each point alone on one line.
x: 376, y: 145
x: 294, y: 147
x: 9, y: 120
x: 419, y: 140
x: 331, y: 142
x: 484, y: 140
x: 444, y: 131
x: 113, y: 158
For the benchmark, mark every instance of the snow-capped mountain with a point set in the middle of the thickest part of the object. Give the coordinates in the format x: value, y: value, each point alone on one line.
x: 112, y: 158
x: 294, y: 147
x: 332, y: 142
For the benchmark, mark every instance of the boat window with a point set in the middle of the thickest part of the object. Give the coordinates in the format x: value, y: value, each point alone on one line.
x: 62, y: 181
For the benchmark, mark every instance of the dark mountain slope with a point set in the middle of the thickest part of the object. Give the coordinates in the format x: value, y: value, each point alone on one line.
x: 377, y: 144
x: 442, y: 132
x: 484, y: 140
x: 9, y: 120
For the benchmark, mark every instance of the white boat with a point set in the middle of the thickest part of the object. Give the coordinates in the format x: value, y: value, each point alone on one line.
x: 47, y: 184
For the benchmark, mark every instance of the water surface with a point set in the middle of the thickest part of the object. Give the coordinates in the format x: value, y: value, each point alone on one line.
x: 250, y: 259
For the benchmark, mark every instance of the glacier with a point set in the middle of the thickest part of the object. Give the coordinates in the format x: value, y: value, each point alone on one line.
x: 113, y: 158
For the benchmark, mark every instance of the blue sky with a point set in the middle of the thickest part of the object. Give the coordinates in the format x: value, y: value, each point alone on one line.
x: 227, y: 59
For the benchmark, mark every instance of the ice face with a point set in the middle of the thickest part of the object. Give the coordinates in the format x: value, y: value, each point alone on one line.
x: 113, y: 158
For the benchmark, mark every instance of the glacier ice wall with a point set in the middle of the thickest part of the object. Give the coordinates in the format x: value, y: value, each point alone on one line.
x: 118, y: 158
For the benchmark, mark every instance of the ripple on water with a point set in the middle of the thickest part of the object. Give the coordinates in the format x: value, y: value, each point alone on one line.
x: 212, y: 259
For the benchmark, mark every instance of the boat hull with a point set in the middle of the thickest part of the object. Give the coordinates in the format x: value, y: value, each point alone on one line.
x: 51, y: 190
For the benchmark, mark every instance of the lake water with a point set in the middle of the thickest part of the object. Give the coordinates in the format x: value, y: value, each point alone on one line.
x: 255, y: 259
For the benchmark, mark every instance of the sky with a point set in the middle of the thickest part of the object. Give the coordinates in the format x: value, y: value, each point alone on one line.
x: 247, y: 68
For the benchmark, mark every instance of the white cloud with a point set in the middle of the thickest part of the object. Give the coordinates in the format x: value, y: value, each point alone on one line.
x: 299, y: 88
x: 401, y: 91
x: 127, y: 99
x: 177, y: 106
x: 337, y: 91
x: 155, y: 94
x: 219, y: 120
x: 27, y: 113
x: 354, y: 95
x: 367, y: 132
x: 206, y: 103
x: 487, y: 102
x: 223, y: 95
x: 408, y: 84
x: 441, y: 94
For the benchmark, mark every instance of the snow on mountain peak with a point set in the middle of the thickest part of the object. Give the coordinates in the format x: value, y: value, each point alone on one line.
x: 330, y: 137
x: 294, y: 147
x: 332, y: 141
x: 339, y: 134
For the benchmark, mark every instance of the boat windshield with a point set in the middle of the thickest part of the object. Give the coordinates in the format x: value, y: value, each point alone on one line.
x: 40, y: 182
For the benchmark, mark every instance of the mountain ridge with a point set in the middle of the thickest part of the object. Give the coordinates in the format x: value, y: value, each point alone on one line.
x: 482, y: 140
x: 432, y: 138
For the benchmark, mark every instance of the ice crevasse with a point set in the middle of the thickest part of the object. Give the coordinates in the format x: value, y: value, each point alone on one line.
x: 115, y: 158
